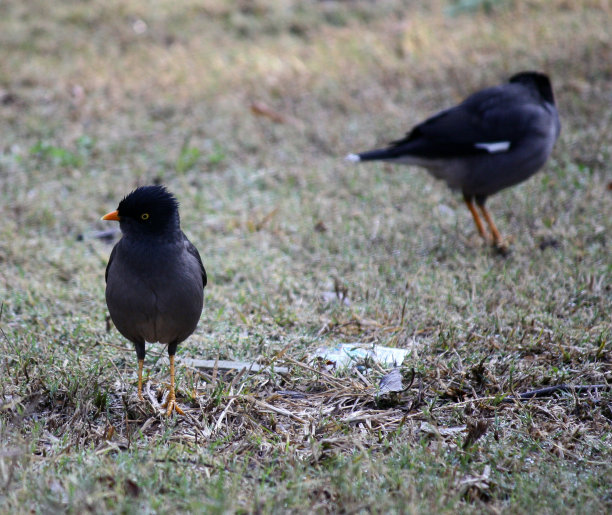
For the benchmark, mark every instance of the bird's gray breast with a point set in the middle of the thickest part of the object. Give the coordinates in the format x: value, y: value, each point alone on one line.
x: 154, y: 294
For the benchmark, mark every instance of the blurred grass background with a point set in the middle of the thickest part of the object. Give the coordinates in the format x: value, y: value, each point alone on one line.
x: 99, y: 97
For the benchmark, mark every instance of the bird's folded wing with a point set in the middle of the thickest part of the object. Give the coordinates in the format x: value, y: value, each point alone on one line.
x: 477, y: 126
x: 194, y: 252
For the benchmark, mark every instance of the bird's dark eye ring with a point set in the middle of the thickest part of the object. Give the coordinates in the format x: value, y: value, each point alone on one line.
x: 144, y: 216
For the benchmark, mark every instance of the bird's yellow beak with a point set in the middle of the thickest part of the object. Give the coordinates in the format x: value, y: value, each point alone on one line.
x: 113, y: 215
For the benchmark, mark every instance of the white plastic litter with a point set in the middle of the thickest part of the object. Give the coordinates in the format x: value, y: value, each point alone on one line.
x: 345, y: 354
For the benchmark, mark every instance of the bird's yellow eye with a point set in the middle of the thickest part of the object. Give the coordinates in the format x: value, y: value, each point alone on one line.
x: 144, y: 216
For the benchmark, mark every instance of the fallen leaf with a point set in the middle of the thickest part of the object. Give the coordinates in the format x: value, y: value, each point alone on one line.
x: 476, y: 428
x: 261, y: 109
x: 131, y: 488
x: 391, y: 382
x: 320, y: 227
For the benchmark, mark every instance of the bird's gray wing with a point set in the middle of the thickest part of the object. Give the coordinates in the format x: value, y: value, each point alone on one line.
x: 491, y: 120
x: 194, y: 252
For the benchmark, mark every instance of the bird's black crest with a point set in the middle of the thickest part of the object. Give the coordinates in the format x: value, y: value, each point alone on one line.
x: 539, y: 81
x: 155, y: 199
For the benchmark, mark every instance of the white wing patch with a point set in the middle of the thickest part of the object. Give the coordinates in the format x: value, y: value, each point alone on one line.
x: 494, y: 146
x: 353, y: 158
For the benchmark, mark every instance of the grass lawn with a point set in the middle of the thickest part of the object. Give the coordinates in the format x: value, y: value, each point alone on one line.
x: 245, y: 110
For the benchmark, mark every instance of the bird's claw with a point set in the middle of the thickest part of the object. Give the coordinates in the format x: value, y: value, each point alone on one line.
x: 172, y: 405
x: 503, y: 246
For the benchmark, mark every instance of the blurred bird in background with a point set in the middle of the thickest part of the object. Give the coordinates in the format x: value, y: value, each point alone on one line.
x: 494, y: 139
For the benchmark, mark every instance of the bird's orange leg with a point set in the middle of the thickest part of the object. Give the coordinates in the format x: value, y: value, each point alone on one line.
x: 140, y: 365
x: 171, y: 401
x: 497, y: 238
x: 479, y: 225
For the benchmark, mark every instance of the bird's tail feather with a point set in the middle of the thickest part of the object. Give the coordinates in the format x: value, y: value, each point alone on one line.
x: 373, y: 155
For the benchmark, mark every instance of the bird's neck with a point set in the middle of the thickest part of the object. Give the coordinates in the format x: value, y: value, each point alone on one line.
x: 154, y: 239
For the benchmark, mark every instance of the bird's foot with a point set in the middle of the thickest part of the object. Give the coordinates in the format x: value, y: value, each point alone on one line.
x: 502, y: 246
x: 171, y: 404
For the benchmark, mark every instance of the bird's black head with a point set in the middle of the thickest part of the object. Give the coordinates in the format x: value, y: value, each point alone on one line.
x: 537, y: 81
x: 147, y: 210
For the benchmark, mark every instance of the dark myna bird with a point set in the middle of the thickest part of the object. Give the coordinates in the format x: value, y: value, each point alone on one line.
x: 495, y: 138
x: 155, y: 278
